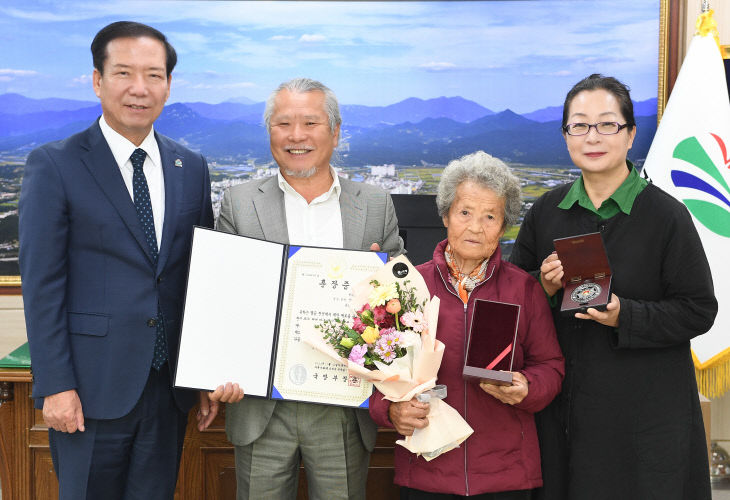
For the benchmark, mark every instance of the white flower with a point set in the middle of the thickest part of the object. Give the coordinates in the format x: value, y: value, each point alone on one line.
x: 382, y: 294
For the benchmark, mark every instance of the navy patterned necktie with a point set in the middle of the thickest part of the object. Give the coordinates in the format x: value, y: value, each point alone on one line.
x: 143, y: 206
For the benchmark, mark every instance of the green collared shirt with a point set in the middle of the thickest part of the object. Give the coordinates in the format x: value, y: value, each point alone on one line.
x: 620, y: 201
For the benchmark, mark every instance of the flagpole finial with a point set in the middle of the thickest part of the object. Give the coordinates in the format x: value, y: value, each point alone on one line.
x: 706, y: 24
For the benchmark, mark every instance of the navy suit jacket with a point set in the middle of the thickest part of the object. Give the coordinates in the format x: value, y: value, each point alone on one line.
x: 90, y: 287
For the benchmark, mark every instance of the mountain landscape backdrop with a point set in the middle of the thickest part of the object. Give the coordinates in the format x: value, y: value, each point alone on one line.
x: 410, y: 132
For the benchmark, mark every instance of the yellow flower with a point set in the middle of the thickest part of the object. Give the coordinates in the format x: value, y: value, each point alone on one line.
x: 382, y: 294
x: 370, y: 334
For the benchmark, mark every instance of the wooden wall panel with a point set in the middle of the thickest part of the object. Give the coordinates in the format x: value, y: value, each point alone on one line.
x: 44, y: 484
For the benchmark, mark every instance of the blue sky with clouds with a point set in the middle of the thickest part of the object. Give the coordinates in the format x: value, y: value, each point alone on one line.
x: 522, y: 55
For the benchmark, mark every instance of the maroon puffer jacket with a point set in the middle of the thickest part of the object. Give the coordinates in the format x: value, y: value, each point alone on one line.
x: 503, y: 452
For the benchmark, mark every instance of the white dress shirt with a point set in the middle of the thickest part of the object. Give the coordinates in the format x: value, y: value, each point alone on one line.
x: 318, y: 223
x: 122, y: 149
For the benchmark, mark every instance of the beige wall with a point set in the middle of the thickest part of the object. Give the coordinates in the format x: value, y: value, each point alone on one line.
x: 12, y: 323
x: 722, y: 18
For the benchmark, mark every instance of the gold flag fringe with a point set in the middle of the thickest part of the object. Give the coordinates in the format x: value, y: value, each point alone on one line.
x: 713, y: 376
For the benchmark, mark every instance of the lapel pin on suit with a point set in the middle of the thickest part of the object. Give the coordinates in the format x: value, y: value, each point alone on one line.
x: 178, y: 163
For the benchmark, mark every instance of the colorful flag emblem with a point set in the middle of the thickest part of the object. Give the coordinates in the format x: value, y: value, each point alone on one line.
x: 689, y: 159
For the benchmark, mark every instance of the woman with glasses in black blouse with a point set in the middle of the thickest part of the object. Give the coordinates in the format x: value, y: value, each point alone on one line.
x: 627, y: 424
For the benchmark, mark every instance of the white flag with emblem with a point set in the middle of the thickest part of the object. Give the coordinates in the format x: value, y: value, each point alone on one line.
x: 689, y: 159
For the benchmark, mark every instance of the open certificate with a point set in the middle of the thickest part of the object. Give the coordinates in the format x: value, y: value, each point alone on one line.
x: 248, y: 302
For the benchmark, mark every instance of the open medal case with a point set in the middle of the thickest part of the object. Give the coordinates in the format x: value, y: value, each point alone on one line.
x: 587, y: 279
x: 490, y: 348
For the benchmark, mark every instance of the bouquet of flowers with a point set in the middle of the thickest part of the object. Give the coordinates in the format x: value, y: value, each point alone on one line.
x: 390, y: 340
x: 382, y: 330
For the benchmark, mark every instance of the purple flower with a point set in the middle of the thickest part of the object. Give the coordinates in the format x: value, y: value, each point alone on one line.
x: 385, y: 352
x: 388, y: 339
x: 357, y: 354
x: 385, y: 345
x: 388, y: 356
x: 396, y: 338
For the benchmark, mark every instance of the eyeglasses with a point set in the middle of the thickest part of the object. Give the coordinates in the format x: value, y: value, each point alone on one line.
x: 603, y: 128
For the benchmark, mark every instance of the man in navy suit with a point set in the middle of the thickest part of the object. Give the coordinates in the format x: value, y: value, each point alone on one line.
x: 106, y: 218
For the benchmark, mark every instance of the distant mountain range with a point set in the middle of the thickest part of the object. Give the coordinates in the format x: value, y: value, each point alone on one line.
x: 552, y: 113
x: 16, y: 104
x: 506, y: 135
x: 412, y: 131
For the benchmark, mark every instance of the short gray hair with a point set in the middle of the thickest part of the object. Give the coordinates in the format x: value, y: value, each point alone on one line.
x: 486, y: 171
x: 301, y: 86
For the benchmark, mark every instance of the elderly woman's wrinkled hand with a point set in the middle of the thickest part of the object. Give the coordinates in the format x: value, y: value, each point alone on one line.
x: 508, y: 394
x: 551, y: 274
x: 407, y: 416
x: 609, y: 317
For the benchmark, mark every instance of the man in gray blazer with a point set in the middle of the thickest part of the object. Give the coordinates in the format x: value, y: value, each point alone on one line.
x: 305, y: 204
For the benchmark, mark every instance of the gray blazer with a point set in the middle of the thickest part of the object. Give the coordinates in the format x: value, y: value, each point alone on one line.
x: 256, y: 209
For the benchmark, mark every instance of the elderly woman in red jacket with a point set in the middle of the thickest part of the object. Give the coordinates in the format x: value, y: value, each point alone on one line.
x: 478, y: 198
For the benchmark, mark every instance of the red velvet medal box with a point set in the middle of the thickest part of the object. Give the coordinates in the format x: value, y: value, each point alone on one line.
x: 587, y: 279
x: 491, y: 344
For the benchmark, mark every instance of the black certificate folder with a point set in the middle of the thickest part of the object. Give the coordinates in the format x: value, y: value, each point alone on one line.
x: 247, y: 305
